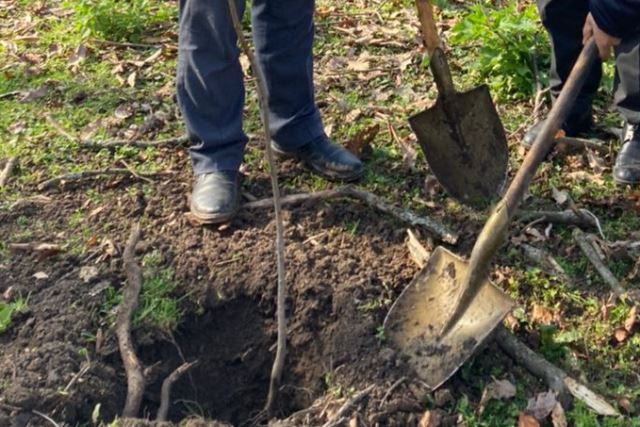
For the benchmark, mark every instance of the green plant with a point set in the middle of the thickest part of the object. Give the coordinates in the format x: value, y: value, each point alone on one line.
x: 118, y: 20
x: 507, y: 44
x: 8, y: 310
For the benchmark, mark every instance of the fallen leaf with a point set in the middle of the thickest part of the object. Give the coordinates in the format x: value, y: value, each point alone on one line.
x: 33, y: 95
x: 360, y: 144
x: 109, y: 247
x: 88, y: 273
x: 41, y: 275
x: 620, y: 335
x: 525, y: 420
x: 631, y: 319
x: 542, y: 405
x: 558, y: 418
x: 124, y: 111
x: 499, y: 390
x: 561, y: 197
x: 541, y: 314
x: 431, y: 186
x: 78, y: 56
x: 430, y: 419
x: 131, y: 80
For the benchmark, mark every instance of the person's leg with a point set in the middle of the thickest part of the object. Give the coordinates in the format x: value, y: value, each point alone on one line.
x: 563, y: 20
x: 211, y: 96
x: 627, y: 100
x: 283, y: 34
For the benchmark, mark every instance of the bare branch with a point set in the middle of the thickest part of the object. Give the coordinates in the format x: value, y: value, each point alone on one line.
x: 135, y: 376
x: 590, y: 252
x: 278, y: 364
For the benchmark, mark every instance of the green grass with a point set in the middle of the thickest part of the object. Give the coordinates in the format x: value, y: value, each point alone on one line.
x: 9, y: 310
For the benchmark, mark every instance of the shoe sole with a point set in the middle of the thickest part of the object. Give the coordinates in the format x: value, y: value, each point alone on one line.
x: 207, y: 219
x: 284, y: 155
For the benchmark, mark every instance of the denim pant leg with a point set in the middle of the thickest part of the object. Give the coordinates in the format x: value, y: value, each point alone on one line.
x: 627, y: 79
x: 563, y: 20
x: 210, y: 85
x: 283, y: 35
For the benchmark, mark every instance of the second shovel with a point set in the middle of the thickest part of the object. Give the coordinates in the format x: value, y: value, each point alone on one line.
x: 461, y: 135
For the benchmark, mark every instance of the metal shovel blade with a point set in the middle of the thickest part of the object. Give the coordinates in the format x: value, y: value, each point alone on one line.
x: 465, y: 146
x: 415, y: 320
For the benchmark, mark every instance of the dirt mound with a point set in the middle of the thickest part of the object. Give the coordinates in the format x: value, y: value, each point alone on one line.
x: 345, y: 266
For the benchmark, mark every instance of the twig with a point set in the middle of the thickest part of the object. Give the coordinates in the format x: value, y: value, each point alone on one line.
x: 340, y: 416
x: 438, y: 229
x: 165, y: 393
x: 555, y: 377
x: 113, y: 144
x: 126, y: 44
x: 10, y: 94
x: 591, y: 254
x: 58, y: 127
x: 45, y: 417
x: 80, y: 176
x: 418, y: 252
x: 558, y: 217
x: 134, y: 173
x: 582, y: 143
x: 83, y: 370
x: 133, y: 367
x: 7, y: 170
x: 545, y: 260
x: 278, y: 363
x: 391, y: 390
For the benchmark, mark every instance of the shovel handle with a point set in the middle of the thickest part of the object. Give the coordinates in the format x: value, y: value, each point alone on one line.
x: 495, y: 229
x: 438, y: 62
x: 428, y: 25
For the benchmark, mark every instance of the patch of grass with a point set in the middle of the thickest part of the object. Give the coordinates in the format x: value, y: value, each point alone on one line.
x: 505, y: 43
x: 156, y: 308
x: 119, y: 20
x: 8, y: 310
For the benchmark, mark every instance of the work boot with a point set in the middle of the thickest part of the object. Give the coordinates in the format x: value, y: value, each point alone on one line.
x: 326, y: 158
x: 627, y: 167
x: 215, y: 197
x: 571, y: 128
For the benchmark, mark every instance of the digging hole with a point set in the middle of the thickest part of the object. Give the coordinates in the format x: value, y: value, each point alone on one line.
x: 231, y: 381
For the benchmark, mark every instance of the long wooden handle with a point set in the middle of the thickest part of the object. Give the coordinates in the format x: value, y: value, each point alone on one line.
x: 495, y: 229
x: 428, y: 25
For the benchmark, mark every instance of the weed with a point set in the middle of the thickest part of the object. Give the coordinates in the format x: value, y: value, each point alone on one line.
x: 8, y: 310
x: 118, y: 20
x: 507, y: 44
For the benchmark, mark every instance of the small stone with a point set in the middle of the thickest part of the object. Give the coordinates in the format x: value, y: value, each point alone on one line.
x: 442, y: 397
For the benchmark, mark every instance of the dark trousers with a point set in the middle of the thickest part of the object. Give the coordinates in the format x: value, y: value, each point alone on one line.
x: 210, y: 81
x: 564, y: 20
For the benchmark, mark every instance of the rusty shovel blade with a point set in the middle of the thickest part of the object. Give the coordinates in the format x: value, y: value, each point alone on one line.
x: 414, y: 323
x: 464, y: 143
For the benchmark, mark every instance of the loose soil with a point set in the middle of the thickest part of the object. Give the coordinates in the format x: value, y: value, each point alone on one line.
x: 340, y: 284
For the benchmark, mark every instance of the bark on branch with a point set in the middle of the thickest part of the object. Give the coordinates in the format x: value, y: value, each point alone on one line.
x: 133, y: 367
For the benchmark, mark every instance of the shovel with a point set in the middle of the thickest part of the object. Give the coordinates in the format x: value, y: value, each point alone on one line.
x: 461, y: 135
x: 451, y: 307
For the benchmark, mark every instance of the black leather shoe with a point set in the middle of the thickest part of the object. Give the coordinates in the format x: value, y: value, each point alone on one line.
x: 326, y: 158
x: 580, y: 127
x: 215, y: 197
x: 627, y: 167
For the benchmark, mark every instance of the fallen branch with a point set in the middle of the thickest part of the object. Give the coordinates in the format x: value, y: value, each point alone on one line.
x: 9, y: 166
x: 278, y: 363
x: 590, y: 252
x: 566, y: 142
x: 340, y: 416
x: 161, y: 143
x: 80, y: 176
x: 567, y: 217
x: 165, y: 393
x: 553, y: 376
x: 441, y: 231
x: 133, y: 367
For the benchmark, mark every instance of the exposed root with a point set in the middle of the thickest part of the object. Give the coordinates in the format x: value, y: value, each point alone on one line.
x: 165, y: 393
x: 135, y: 373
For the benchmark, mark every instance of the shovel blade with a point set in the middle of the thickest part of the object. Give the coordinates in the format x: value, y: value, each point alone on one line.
x: 416, y: 318
x: 467, y: 148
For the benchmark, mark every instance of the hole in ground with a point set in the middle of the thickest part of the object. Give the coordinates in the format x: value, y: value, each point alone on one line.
x: 231, y: 381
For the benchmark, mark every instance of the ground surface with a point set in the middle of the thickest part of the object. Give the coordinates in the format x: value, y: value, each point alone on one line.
x: 209, y: 293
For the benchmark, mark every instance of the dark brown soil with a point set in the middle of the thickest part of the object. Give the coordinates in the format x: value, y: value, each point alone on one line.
x: 340, y: 284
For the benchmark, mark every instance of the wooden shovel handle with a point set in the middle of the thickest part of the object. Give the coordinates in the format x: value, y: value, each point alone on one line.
x: 428, y: 25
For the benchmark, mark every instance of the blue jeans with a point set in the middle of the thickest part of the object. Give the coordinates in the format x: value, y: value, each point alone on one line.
x: 210, y: 81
